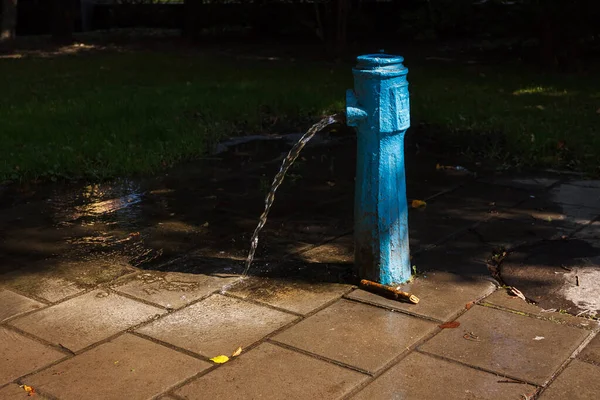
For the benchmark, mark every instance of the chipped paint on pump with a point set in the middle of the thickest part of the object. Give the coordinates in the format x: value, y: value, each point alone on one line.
x: 379, y: 108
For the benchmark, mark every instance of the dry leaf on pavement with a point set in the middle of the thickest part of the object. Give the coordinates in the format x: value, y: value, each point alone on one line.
x: 237, y: 352
x: 220, y: 359
x: 418, y: 204
x: 450, y: 325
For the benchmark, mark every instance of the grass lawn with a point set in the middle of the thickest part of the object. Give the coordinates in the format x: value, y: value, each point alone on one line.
x: 106, y: 114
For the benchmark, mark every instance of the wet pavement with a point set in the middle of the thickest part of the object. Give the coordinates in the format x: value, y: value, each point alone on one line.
x: 127, y: 288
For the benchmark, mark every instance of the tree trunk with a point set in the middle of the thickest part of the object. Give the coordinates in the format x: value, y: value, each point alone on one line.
x: 63, y: 12
x: 8, y: 24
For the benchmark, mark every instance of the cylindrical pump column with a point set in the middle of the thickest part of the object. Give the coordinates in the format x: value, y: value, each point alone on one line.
x: 379, y: 109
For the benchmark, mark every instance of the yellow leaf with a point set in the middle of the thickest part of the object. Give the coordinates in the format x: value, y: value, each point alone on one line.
x: 28, y: 389
x: 237, y: 352
x: 418, y: 204
x: 220, y: 359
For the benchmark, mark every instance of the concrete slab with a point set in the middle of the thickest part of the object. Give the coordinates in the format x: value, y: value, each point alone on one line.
x: 14, y: 391
x: 14, y: 304
x: 579, y: 381
x: 357, y: 334
x: 561, y: 274
x: 508, y: 344
x: 591, y: 352
x: 41, y: 285
x: 521, y: 182
x: 464, y: 255
x: 338, y: 251
x: 21, y: 355
x: 126, y: 367
x: 420, y: 376
x: 272, y: 372
x: 510, y: 233
x: 576, y: 195
x: 443, y: 296
x: 501, y: 298
x: 500, y: 196
x: 565, y: 218
x: 217, y: 325
x: 173, y: 290
x: 586, y: 183
x: 86, y: 319
x: 296, y: 296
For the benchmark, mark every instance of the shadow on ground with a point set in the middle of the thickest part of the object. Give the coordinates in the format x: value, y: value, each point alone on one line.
x: 60, y: 239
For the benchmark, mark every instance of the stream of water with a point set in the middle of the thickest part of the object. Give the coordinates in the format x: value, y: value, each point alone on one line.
x: 280, y: 176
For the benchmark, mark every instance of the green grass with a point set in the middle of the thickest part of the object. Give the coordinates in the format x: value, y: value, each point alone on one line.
x: 108, y: 114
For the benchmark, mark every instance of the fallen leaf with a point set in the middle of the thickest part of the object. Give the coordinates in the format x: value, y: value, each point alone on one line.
x: 30, y: 391
x: 516, y: 292
x: 539, y: 338
x: 469, y: 305
x: 418, y: 204
x: 450, y: 325
x: 220, y: 359
x: 237, y: 352
x: 598, y: 111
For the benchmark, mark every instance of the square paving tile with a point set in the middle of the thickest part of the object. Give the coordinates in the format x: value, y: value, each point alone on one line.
x: 503, y: 299
x: 14, y: 391
x: 172, y: 289
x: 579, y: 381
x: 514, y: 345
x: 501, y: 196
x: 126, y: 367
x: 338, y: 251
x: 577, y: 195
x: 509, y: 233
x: 14, y: 304
x: 20, y: 355
x: 591, y: 352
x: 292, y: 295
x: 357, y: 334
x: 217, y: 325
x: 271, y: 372
x: 420, y: 376
x: 443, y: 296
x: 87, y: 319
x: 41, y: 285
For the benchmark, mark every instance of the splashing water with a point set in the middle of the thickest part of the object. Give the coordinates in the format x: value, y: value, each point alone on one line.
x: 278, y: 180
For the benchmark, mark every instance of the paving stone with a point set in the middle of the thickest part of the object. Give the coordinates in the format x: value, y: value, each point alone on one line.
x: 420, y: 376
x: 579, y: 381
x: 292, y: 295
x: 521, y: 182
x: 14, y: 304
x: 14, y: 391
x: 126, y: 367
x: 561, y: 274
x: 510, y: 233
x: 586, y: 183
x: 464, y: 255
x: 271, y: 372
x: 41, y: 285
x: 501, y: 298
x: 444, y: 216
x: 357, y: 334
x: 87, y: 319
x: 443, y: 296
x: 21, y: 355
x: 500, y: 196
x: 338, y: 251
x: 591, y: 352
x: 507, y: 344
x: 576, y: 195
x: 564, y: 217
x: 217, y: 325
x: 172, y: 289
